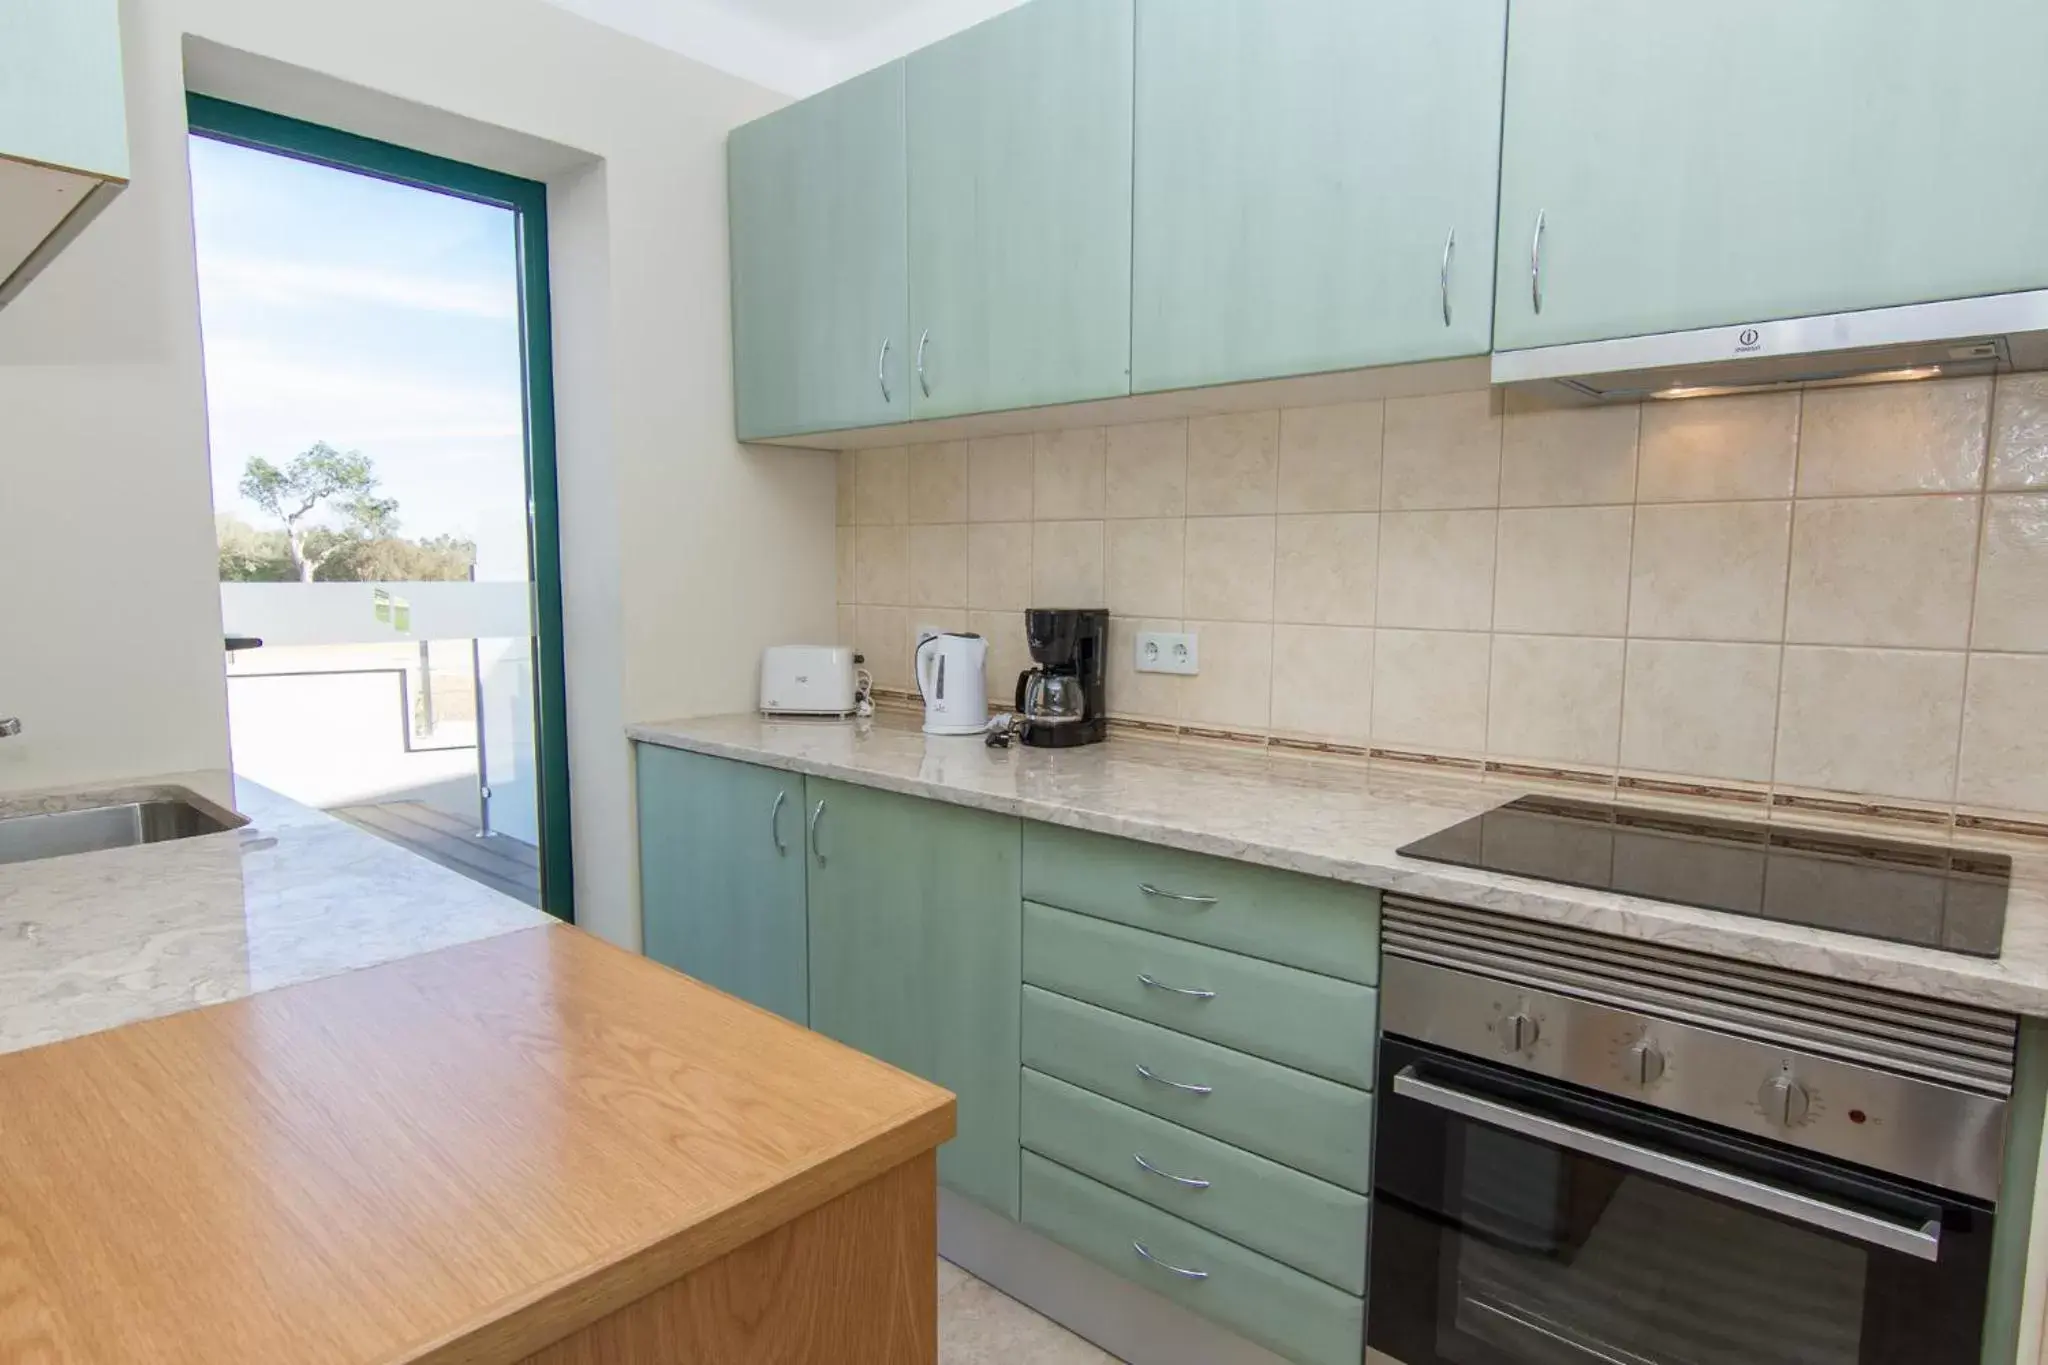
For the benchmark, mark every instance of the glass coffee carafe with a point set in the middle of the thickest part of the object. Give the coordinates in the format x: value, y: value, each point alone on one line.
x: 1057, y: 698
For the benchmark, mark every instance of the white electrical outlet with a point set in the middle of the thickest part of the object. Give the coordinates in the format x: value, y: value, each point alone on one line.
x: 1168, y: 651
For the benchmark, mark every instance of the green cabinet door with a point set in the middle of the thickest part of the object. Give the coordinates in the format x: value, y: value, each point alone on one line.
x: 1315, y: 186
x: 1020, y: 209
x: 917, y: 958
x: 1700, y: 165
x: 722, y: 875
x: 817, y: 202
x: 62, y: 103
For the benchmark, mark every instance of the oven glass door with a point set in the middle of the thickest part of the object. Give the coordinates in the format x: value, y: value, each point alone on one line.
x: 1519, y: 1222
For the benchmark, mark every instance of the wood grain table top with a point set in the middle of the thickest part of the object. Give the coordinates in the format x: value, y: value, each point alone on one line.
x: 457, y: 1157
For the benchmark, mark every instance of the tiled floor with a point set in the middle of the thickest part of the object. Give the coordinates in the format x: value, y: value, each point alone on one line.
x: 981, y: 1325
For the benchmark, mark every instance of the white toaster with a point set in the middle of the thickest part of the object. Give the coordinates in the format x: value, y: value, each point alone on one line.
x: 808, y: 680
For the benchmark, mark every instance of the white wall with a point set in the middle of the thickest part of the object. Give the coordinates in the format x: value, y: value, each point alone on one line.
x: 795, y: 46
x: 684, y: 553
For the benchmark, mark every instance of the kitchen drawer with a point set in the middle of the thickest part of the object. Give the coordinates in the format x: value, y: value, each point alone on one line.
x: 1294, y: 1314
x: 1297, y: 1119
x: 1308, y: 1223
x: 1321, y: 926
x: 1316, y: 1023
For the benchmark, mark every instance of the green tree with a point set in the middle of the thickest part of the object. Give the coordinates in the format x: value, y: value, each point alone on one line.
x: 345, y: 483
x: 393, y: 559
x: 248, y: 555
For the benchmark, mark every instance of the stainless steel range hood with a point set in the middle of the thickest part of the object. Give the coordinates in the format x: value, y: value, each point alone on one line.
x: 1917, y: 341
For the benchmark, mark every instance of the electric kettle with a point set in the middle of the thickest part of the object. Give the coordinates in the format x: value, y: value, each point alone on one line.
x: 949, y: 677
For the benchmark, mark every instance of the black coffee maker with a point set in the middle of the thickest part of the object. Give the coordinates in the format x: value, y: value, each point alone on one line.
x: 1062, y: 702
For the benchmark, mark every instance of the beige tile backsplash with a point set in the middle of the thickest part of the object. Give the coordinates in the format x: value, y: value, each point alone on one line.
x: 1840, y: 593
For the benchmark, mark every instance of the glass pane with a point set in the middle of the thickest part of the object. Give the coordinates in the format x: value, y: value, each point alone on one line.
x: 1568, y: 1261
x: 366, y: 412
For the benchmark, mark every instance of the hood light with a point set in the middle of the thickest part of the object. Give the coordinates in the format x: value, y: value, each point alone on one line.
x: 1874, y: 377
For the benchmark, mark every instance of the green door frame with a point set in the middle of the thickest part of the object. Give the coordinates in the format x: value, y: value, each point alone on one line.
x: 528, y: 200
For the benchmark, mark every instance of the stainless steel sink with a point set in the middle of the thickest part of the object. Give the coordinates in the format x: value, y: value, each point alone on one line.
x: 24, y: 838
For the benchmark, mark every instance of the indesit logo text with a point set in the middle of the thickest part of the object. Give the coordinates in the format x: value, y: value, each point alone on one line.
x: 1746, y: 341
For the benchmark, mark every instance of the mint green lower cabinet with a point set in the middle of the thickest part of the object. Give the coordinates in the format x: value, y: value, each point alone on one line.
x: 1316, y: 1023
x: 1292, y: 1117
x: 1302, y: 171
x: 916, y: 947
x: 1294, y: 1314
x: 722, y: 875
x: 1310, y: 1224
x: 2011, y: 1234
x: 1319, y: 926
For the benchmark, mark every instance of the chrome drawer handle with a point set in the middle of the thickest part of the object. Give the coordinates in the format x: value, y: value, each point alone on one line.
x: 1175, y: 990
x: 1149, y: 1074
x: 1186, y: 1182
x: 1181, y: 1271
x: 1180, y: 896
x: 1443, y: 275
x: 775, y: 823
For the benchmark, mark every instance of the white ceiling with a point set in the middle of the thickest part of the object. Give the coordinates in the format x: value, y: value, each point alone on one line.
x: 795, y: 46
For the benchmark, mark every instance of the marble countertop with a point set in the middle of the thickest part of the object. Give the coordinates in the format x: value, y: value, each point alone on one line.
x: 96, y: 940
x: 1343, y: 819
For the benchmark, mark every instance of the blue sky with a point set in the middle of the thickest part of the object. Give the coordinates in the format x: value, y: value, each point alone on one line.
x: 375, y: 317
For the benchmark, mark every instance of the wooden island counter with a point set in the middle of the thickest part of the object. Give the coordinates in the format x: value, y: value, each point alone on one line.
x: 534, y: 1148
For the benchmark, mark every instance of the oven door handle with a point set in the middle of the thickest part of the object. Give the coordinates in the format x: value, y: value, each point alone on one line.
x: 1922, y: 1242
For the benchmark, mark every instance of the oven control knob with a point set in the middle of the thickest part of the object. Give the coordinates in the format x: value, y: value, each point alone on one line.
x: 1645, y: 1064
x: 1518, y: 1032
x: 1784, y: 1101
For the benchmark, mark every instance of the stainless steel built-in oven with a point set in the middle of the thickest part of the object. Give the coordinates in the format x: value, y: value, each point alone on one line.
x: 1598, y: 1153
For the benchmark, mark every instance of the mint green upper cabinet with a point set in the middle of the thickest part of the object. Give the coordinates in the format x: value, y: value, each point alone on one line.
x: 61, y: 98
x: 722, y: 875
x: 63, y: 127
x: 818, y: 290
x: 1700, y: 165
x: 917, y: 958
x: 1301, y: 171
x: 1020, y: 209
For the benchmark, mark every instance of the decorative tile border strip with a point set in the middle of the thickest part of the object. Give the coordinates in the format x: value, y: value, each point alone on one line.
x: 1740, y: 799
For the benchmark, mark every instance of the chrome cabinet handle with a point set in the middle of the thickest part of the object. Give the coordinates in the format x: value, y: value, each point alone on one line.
x: 1186, y: 1182
x: 817, y: 815
x: 1536, y: 265
x: 882, y: 372
x: 1146, y: 980
x: 1443, y: 275
x: 1149, y: 1074
x: 1922, y: 1242
x: 922, y: 382
x: 775, y: 823
x: 1181, y: 1271
x: 1180, y: 896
